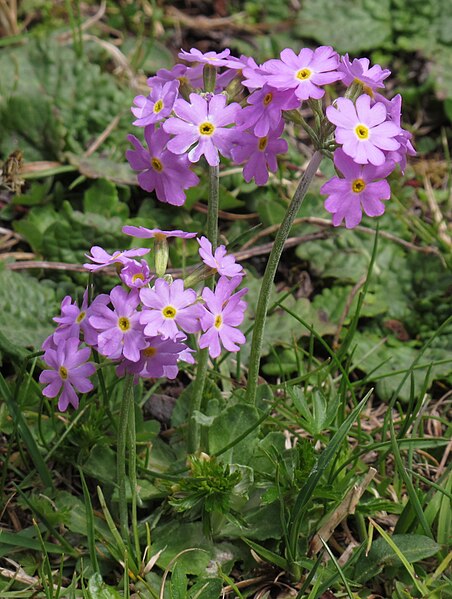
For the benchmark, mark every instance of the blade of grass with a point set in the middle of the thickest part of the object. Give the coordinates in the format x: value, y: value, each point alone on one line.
x: 408, y: 567
x: 26, y: 435
x: 338, y: 568
x: 90, y: 532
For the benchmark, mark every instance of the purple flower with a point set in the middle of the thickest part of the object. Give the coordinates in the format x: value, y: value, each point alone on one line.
x: 195, y: 55
x: 202, y: 126
x: 159, y: 358
x: 394, y: 108
x: 164, y: 75
x: 363, y: 130
x: 157, y: 105
x: 222, y: 313
x: 135, y: 274
x: 361, y: 189
x: 144, y: 233
x: 223, y: 263
x: 101, y: 258
x: 120, y: 332
x: 358, y: 70
x: 260, y: 154
x: 304, y: 72
x: 168, y: 307
x: 68, y: 373
x: 265, y: 110
x: 161, y: 170
x: 74, y: 319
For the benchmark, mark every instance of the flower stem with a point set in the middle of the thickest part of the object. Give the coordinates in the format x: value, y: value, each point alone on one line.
x: 123, y: 426
x: 203, y: 354
x: 269, y: 275
x: 133, y: 474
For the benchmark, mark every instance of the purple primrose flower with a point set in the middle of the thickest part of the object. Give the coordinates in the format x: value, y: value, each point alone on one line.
x: 364, y: 131
x: 159, y: 358
x: 144, y: 233
x: 68, y: 373
x: 305, y: 72
x: 362, y: 188
x: 222, y: 313
x: 223, y: 263
x: 101, y: 258
x: 135, y: 274
x: 74, y: 319
x: 260, y: 154
x: 265, y: 109
x: 202, y: 125
x: 358, y: 70
x: 195, y: 55
x: 161, y: 170
x: 120, y: 331
x: 158, y: 105
x: 169, y: 306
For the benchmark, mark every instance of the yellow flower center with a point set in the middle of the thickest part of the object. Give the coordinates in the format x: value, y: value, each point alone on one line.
x: 263, y: 141
x: 303, y: 74
x: 139, y: 275
x: 124, y: 324
x: 63, y: 372
x: 358, y: 185
x: 268, y: 98
x: 149, y: 352
x: 80, y: 317
x: 366, y: 89
x: 158, y: 106
x: 169, y: 312
x: 156, y: 165
x: 206, y: 128
x: 218, y: 321
x: 362, y: 131
x: 159, y: 236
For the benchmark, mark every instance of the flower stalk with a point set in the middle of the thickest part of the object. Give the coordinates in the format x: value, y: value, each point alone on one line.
x: 203, y: 355
x: 123, y: 429
x: 269, y: 275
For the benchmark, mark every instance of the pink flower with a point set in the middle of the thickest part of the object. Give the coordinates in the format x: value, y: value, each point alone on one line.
x: 260, y: 154
x: 265, y: 109
x: 195, y: 55
x: 202, y: 126
x: 358, y: 70
x: 157, y: 105
x: 303, y: 72
x: 120, y: 331
x: 144, y: 233
x: 68, y: 373
x: 361, y: 189
x: 159, y: 358
x: 164, y: 75
x: 101, y: 258
x: 169, y: 306
x: 135, y: 274
x: 363, y: 130
x: 223, y: 263
x: 74, y: 319
x: 222, y: 313
x: 161, y: 170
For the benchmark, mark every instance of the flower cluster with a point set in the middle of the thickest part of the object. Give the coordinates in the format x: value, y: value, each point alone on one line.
x: 142, y: 325
x: 217, y: 105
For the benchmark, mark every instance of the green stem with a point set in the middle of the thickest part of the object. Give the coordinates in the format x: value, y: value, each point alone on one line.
x: 133, y: 474
x: 121, y: 454
x: 270, y: 271
x: 203, y: 355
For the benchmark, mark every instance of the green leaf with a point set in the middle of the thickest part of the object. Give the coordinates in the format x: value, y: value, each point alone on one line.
x: 27, y: 309
x: 97, y: 589
x: 102, y: 198
x: 356, y: 26
x: 229, y: 425
x: 178, y: 583
x: 176, y: 536
x: 414, y: 548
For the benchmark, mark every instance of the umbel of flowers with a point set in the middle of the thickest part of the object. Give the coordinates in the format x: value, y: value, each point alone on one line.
x: 141, y: 326
x: 219, y: 105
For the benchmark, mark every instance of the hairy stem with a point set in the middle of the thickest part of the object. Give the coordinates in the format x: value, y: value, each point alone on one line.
x: 269, y: 275
x: 203, y: 355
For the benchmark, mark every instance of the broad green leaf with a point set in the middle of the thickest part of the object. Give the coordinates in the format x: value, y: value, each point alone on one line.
x: 176, y: 536
x: 414, y: 548
x: 228, y: 426
x: 98, y: 589
x: 348, y: 26
x: 27, y: 309
x: 102, y: 198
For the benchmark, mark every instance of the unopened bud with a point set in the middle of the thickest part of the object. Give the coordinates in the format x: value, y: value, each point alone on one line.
x: 209, y: 75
